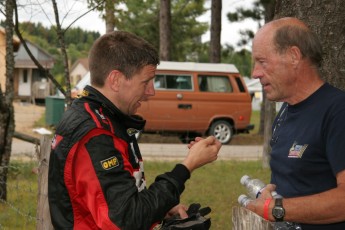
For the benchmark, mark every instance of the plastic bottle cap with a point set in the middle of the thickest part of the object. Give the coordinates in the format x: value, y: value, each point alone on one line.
x: 241, y: 197
x: 244, y: 179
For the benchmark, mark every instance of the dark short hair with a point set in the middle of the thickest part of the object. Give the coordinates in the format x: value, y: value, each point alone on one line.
x: 307, y: 41
x: 122, y: 51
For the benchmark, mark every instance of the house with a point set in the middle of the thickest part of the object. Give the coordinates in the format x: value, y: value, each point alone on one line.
x: 16, y: 44
x: 29, y: 82
x: 78, y: 70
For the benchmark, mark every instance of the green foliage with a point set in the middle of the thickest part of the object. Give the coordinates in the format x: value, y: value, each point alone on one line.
x: 142, y: 18
x: 186, y: 30
x: 241, y: 59
x: 72, y: 35
x: 216, y: 185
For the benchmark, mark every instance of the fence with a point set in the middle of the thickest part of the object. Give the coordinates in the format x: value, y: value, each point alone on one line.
x: 36, y: 214
x: 27, y: 206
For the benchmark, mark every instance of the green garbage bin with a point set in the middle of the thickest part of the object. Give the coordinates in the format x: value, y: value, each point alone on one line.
x: 55, y: 107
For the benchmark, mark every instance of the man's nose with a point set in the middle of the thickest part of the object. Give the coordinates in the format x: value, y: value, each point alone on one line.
x: 150, y: 90
x: 257, y: 72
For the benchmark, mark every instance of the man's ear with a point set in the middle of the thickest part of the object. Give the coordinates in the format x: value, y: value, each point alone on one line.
x: 295, y: 55
x: 114, y: 79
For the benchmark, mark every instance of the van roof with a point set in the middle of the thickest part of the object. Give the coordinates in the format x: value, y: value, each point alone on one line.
x: 194, y: 66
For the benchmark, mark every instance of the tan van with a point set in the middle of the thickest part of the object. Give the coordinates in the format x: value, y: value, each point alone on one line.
x: 198, y: 99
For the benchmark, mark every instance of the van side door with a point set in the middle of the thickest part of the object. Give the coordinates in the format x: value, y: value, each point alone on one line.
x: 170, y: 107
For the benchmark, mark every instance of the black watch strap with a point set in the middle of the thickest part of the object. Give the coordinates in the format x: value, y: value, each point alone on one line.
x: 279, y: 202
x: 278, y: 211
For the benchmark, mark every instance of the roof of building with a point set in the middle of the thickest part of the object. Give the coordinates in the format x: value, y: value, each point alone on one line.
x: 83, y: 61
x: 23, y: 60
x: 194, y: 66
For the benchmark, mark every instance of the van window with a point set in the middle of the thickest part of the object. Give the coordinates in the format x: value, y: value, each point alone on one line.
x: 170, y: 81
x: 240, y: 85
x: 209, y: 83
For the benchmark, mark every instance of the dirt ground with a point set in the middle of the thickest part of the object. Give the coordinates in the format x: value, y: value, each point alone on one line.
x: 27, y: 114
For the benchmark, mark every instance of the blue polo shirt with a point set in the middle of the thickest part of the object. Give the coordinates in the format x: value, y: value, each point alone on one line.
x: 308, y: 146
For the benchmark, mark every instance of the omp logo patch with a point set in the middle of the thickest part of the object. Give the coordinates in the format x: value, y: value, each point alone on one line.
x: 109, y: 163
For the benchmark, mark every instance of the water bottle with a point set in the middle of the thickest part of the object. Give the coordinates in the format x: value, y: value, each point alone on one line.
x: 254, y: 187
x: 243, y: 200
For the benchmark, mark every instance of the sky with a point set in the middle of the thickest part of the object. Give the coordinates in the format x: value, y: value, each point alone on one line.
x: 38, y: 12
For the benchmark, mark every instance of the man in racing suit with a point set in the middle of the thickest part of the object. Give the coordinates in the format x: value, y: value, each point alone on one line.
x: 96, y: 176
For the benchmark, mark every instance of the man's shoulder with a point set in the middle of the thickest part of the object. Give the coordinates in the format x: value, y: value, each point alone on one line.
x: 75, y: 120
x: 335, y: 91
x: 332, y: 97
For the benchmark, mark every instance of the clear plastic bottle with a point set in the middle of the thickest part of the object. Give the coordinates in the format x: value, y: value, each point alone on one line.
x: 243, y: 200
x: 254, y: 188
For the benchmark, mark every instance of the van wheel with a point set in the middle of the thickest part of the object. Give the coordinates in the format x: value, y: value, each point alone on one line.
x: 222, y: 130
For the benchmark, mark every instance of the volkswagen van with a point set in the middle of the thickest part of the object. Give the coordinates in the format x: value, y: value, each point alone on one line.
x: 198, y: 99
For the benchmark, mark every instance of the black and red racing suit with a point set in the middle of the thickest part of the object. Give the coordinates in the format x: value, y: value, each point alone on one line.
x: 96, y: 177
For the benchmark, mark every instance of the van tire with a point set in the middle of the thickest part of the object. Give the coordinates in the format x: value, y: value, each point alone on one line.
x: 222, y: 130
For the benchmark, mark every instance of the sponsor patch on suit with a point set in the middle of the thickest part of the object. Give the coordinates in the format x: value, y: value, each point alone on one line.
x: 110, y: 163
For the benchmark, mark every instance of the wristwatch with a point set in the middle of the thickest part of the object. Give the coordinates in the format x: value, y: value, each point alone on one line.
x: 278, y: 211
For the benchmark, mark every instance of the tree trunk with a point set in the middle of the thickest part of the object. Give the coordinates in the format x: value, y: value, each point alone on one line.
x: 216, y: 27
x: 269, y: 15
x: 165, y: 30
x: 270, y: 113
x: 268, y: 108
x: 326, y: 18
x: 61, y: 39
x: 109, y: 16
x: 6, y: 103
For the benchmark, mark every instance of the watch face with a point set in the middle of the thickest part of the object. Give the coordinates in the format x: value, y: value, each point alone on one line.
x: 278, y: 212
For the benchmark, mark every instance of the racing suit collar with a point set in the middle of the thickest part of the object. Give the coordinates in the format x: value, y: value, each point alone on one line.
x: 133, y: 123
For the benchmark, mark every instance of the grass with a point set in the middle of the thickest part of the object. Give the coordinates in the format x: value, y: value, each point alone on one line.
x: 19, y: 211
x: 251, y: 138
x: 215, y: 185
x: 255, y: 119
